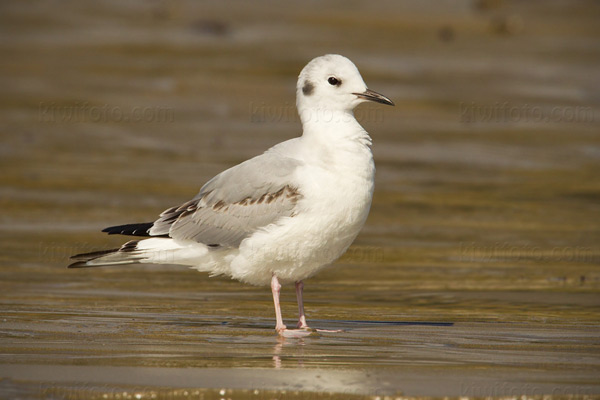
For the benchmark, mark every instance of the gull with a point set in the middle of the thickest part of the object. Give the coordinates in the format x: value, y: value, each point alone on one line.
x: 279, y: 217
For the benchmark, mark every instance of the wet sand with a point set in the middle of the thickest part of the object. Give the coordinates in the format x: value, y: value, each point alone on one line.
x: 476, y: 275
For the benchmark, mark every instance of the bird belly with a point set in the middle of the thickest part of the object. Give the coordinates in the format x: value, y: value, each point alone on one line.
x: 297, y: 247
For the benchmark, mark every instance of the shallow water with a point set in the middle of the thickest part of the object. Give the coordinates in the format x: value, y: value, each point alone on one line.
x: 477, y: 273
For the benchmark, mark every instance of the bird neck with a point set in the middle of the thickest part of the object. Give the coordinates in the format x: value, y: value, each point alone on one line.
x: 337, y: 125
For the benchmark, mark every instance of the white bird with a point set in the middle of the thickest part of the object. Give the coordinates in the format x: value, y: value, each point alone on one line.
x: 279, y: 217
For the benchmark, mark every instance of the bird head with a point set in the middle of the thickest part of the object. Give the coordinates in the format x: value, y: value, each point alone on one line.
x: 332, y: 82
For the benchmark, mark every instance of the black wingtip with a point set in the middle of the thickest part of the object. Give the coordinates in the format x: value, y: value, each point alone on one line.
x: 140, y: 229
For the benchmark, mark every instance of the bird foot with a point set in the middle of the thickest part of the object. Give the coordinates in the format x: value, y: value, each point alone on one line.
x: 296, y: 333
x: 304, y: 332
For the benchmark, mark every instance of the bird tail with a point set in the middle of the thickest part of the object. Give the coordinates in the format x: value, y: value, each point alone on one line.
x: 126, y: 254
x: 153, y: 251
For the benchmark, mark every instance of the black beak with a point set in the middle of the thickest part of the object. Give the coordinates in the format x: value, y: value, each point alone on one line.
x: 374, y: 96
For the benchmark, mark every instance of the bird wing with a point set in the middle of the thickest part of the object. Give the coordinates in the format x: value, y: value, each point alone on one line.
x: 235, y: 203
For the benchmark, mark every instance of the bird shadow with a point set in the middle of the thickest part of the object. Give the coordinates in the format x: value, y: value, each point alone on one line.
x: 350, y: 325
x: 391, y: 323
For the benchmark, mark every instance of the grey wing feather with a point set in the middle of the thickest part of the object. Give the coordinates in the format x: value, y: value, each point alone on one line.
x: 235, y: 203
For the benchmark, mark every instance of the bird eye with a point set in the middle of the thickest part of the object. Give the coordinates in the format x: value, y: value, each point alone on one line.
x: 334, y: 81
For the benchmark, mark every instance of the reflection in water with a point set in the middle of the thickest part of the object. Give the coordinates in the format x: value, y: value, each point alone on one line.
x: 277, y: 351
x: 294, y: 343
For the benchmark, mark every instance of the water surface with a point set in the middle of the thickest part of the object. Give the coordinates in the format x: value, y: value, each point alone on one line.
x: 476, y: 273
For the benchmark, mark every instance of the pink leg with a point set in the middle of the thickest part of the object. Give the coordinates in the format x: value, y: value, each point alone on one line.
x: 302, y: 320
x: 276, y: 289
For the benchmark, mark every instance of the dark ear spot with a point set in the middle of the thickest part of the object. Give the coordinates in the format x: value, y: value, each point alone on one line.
x: 308, y: 88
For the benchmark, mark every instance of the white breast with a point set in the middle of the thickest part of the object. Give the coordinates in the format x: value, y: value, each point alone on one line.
x: 336, y: 200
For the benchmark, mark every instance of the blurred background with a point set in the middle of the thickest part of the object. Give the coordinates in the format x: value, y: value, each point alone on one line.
x: 487, y: 202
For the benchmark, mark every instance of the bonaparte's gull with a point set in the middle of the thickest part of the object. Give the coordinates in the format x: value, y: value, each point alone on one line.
x: 279, y: 217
